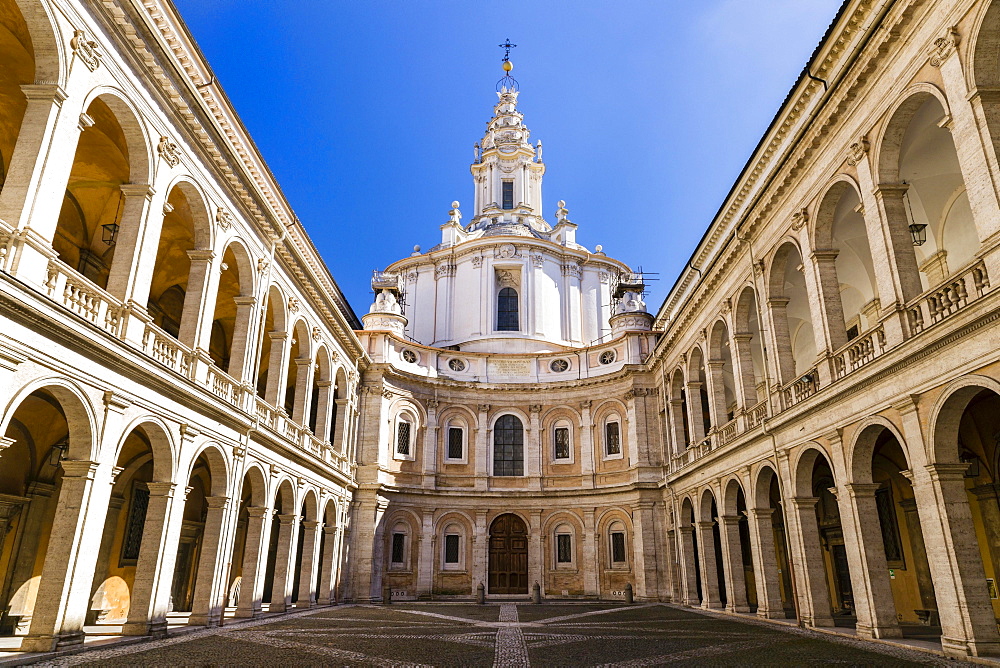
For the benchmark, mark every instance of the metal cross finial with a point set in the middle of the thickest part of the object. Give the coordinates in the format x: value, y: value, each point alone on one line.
x: 506, y: 46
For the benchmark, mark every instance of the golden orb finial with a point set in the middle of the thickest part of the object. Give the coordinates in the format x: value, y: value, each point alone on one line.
x: 507, y: 66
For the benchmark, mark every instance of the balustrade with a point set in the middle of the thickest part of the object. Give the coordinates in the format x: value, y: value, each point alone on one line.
x: 858, y: 352
x: 948, y: 298
x: 224, y: 386
x: 799, y: 389
x: 167, y: 350
x: 755, y: 416
x: 728, y: 432
x: 81, y: 296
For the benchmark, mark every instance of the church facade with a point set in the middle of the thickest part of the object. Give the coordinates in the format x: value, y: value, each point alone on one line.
x: 197, y: 427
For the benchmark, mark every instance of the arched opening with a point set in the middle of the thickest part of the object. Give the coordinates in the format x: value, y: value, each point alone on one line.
x: 712, y: 565
x: 242, y: 596
x: 508, y: 319
x: 181, y: 235
x: 749, y: 347
x: 338, y: 412
x: 322, y: 396
x: 200, y: 539
x: 46, y: 427
x: 272, y: 340
x: 774, y: 586
x: 508, y: 446
x: 738, y: 557
x: 18, y: 56
x: 298, y: 378
x: 93, y: 208
x: 847, y: 271
x: 679, y: 413
x: 233, y: 311
x: 304, y: 585
x: 329, y: 562
x: 508, y: 555
x: 278, y: 575
x: 791, y: 319
x: 137, y: 512
x: 722, y: 379
x: 690, y: 558
x: 699, y: 416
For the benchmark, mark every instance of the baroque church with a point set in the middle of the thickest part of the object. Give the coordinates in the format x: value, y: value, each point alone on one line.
x: 196, y: 427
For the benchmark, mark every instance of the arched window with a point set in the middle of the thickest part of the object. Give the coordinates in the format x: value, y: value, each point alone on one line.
x: 508, y: 446
x: 507, y: 314
x: 454, y: 445
x: 399, y: 547
x: 617, y: 554
x: 565, y: 555
x: 453, y: 554
x: 405, y: 428
x: 562, y: 444
x: 612, y: 437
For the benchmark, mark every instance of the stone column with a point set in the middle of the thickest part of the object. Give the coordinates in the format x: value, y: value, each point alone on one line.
x: 782, y: 346
x: 586, y: 444
x: 125, y: 267
x: 689, y: 578
x: 276, y: 372
x: 196, y: 309
x: 240, y: 367
x: 281, y: 589
x: 482, y: 447
x: 207, y: 604
x: 967, y: 622
x: 154, y: 569
x: 810, y: 571
x: 644, y: 552
x: 533, y: 448
x: 675, y: 580
x: 430, y: 445
x: 710, y: 598
x: 428, y: 558
x: 696, y: 420
x: 310, y: 555
x: 68, y: 570
x: 342, y: 419
x: 677, y: 418
x: 828, y: 299
x: 254, y: 557
x: 989, y: 512
x: 324, y: 409
x: 873, y: 601
x: 535, y: 562
x: 902, y: 262
x: 480, y: 551
x: 303, y: 390
x: 588, y: 556
x: 746, y: 383
x: 327, y: 594
x: 732, y: 562
x: 924, y: 582
x: 765, y: 563
x: 717, y: 392
x: 115, y: 504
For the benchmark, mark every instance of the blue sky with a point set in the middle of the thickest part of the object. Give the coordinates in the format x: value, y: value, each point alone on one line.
x: 366, y: 111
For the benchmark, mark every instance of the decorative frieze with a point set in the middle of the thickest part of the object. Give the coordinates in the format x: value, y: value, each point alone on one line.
x: 168, y: 151
x: 86, y: 50
x: 223, y: 218
x: 943, y: 47
x: 857, y: 151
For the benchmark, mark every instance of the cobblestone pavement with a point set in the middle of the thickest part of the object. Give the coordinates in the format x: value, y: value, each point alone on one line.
x: 507, y: 635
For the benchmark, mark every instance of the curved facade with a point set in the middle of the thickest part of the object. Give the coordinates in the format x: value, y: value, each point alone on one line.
x: 196, y: 426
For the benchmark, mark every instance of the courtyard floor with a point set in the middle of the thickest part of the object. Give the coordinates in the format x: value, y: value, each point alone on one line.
x: 552, y: 634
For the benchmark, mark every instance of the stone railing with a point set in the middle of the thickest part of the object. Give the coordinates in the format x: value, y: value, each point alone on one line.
x: 167, y: 350
x: 225, y: 386
x: 728, y: 432
x: 756, y: 415
x: 858, y: 352
x: 948, y: 298
x: 81, y: 296
x: 266, y: 413
x: 799, y: 389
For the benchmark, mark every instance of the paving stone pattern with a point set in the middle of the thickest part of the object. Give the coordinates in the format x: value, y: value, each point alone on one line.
x: 507, y: 635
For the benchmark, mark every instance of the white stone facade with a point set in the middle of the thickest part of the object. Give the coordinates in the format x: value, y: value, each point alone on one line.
x: 809, y: 426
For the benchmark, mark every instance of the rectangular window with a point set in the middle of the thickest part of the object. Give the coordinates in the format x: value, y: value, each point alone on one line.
x: 508, y: 194
x: 133, y: 528
x: 618, y: 547
x: 398, y: 546
x: 564, y: 548
x: 451, y: 549
x: 562, y: 443
x: 454, y: 443
x: 403, y: 438
x: 890, y: 529
x: 612, y: 441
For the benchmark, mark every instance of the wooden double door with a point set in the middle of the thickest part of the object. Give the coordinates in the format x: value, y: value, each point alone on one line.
x: 508, y: 565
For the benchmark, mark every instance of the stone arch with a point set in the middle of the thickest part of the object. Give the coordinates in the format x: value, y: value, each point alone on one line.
x: 140, y: 149
x: 331, y: 512
x: 299, y: 374
x: 48, y: 45
x: 862, y: 447
x: 687, y: 512
x: 888, y: 145
x: 309, y: 506
x: 699, y: 410
x: 748, y: 351
x: 721, y: 374
x: 706, y: 502
x: 218, y: 466
x: 791, y: 317
x: 283, y: 494
x: 731, y: 490
x: 273, y: 326
x: 161, y: 443
x: 947, y: 414
x: 762, y: 485
x: 805, y: 460
x: 76, y: 406
x: 257, y: 477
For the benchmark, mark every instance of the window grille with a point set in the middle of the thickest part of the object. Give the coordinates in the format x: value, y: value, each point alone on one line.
x: 508, y: 319
x: 612, y: 439
x: 562, y: 443
x: 451, y: 549
x: 398, y: 547
x: 890, y: 529
x: 133, y: 528
x: 454, y: 443
x: 564, y: 548
x: 508, y: 194
x: 618, y: 547
x: 403, y: 438
x: 508, y: 446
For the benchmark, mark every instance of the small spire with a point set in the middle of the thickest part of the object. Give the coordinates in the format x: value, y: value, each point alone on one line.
x: 507, y: 82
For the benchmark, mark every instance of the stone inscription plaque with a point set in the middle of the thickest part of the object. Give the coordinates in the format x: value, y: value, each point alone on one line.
x: 509, y: 368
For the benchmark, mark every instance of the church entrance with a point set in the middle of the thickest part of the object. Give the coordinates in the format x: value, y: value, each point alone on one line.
x: 508, y: 556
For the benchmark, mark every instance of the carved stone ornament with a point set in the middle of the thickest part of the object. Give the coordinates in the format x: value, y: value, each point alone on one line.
x: 604, y: 277
x: 477, y: 261
x: 223, y: 218
x: 412, y: 277
x: 505, y: 251
x: 572, y: 269
x: 943, y: 47
x: 586, y: 404
x: 86, y: 49
x: 538, y: 261
x: 484, y: 408
x: 168, y: 151
x: 535, y: 408
x: 799, y: 219
x: 506, y: 279
x: 239, y: 451
x: 167, y: 208
x: 262, y: 265
x: 444, y: 270
x: 293, y: 304
x: 317, y: 333
x: 856, y: 152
